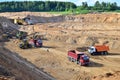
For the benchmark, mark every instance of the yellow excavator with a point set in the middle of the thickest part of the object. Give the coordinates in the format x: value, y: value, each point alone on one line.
x: 20, y: 21
x: 24, y: 21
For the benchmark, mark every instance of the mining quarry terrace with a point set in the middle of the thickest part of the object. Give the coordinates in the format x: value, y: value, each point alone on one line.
x: 59, y: 34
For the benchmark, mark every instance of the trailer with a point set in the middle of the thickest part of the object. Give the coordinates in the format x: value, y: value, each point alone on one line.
x: 78, y: 57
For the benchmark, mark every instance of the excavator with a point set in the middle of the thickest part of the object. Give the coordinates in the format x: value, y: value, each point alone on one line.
x: 24, y: 44
x: 29, y: 42
x: 20, y: 21
x: 24, y: 21
x: 21, y: 35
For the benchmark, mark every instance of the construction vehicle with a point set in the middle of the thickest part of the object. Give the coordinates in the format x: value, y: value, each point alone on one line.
x: 79, y: 57
x: 23, y: 21
x: 20, y: 21
x: 39, y: 43
x: 21, y: 35
x: 24, y: 44
x: 98, y: 49
x: 30, y: 43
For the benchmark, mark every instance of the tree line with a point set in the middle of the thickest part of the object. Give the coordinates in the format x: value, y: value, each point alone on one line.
x: 37, y: 6
x: 103, y: 6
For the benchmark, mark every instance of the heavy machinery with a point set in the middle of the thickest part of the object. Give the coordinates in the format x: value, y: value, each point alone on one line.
x: 30, y: 43
x: 20, y: 21
x: 24, y: 44
x: 78, y: 57
x: 23, y: 21
x: 98, y: 49
x: 39, y: 43
x: 21, y: 35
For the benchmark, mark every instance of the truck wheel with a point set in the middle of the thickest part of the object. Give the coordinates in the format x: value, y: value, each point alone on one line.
x: 69, y: 58
x: 72, y: 60
x: 77, y: 62
x: 92, y: 54
x: 106, y: 53
x: 29, y: 46
x: 102, y: 53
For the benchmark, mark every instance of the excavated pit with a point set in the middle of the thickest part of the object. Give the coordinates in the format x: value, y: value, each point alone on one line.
x: 16, y: 67
x: 20, y: 67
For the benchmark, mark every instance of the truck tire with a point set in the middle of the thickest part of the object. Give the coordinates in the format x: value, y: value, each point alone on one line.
x: 106, y: 53
x: 102, y: 53
x: 92, y: 54
x: 72, y: 59
x: 29, y: 46
x: 77, y: 62
x: 69, y: 58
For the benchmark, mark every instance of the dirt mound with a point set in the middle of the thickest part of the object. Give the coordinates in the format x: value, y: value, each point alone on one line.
x: 7, y: 29
x: 14, y: 15
x: 108, y: 76
x: 42, y: 19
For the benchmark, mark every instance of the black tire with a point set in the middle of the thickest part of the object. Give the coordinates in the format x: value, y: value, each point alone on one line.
x: 105, y: 53
x: 72, y: 59
x: 102, y: 53
x: 21, y: 46
x: 77, y: 62
x: 29, y: 46
x: 92, y: 54
x: 69, y: 58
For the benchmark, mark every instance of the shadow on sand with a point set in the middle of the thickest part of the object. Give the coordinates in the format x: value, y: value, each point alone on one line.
x: 49, y: 47
x: 95, y: 64
x: 113, y: 54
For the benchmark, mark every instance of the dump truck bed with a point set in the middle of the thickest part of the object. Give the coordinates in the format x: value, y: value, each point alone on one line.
x: 102, y: 48
x: 74, y: 53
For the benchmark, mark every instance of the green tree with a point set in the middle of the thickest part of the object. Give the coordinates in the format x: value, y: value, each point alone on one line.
x: 97, y: 6
x: 104, y: 6
x: 114, y: 6
x: 84, y: 5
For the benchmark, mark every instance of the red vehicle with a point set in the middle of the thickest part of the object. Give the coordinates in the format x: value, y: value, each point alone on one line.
x: 78, y: 57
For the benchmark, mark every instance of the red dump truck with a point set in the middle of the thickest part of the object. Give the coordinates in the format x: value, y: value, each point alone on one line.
x: 78, y: 57
x: 98, y: 49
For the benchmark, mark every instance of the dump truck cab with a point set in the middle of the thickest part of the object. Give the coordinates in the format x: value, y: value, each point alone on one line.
x: 84, y: 60
x: 78, y: 57
x: 91, y: 49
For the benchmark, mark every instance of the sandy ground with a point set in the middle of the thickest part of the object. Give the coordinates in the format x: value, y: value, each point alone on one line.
x: 70, y: 34
x: 55, y: 61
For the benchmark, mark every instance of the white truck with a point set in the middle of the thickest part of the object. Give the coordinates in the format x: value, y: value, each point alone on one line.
x: 98, y: 49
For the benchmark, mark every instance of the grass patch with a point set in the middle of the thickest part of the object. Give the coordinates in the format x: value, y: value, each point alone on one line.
x: 61, y: 13
x: 71, y: 12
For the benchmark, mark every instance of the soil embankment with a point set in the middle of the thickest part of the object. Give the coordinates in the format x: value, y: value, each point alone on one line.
x: 22, y: 69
